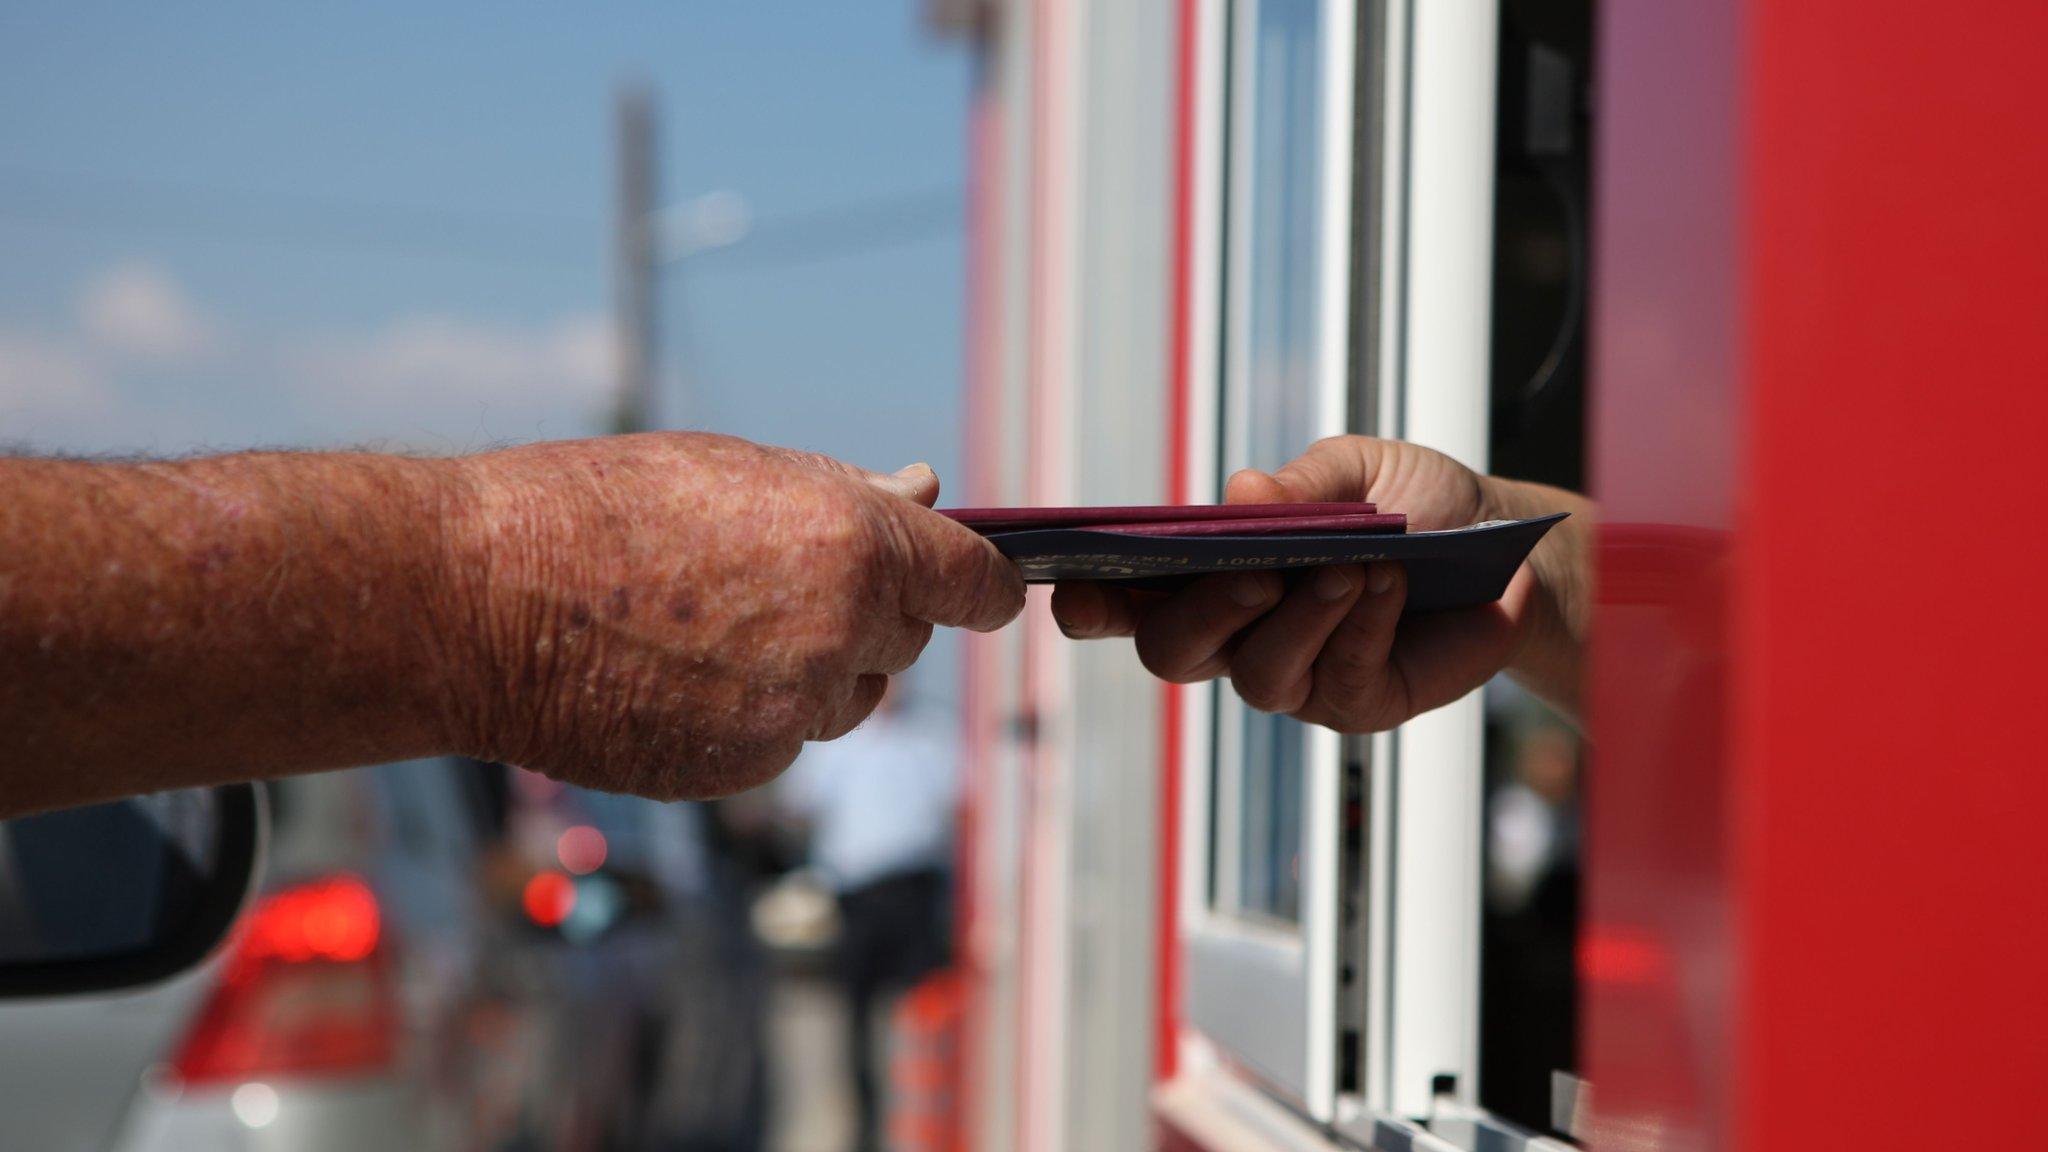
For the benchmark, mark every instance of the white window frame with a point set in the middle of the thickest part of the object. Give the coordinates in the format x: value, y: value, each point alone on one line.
x: 1435, y: 294
x: 1263, y: 991
x: 1266, y: 994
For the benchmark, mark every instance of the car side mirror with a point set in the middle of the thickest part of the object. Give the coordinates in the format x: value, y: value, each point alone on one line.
x: 124, y: 894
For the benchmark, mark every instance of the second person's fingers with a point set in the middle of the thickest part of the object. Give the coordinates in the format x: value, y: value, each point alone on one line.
x: 1251, y: 486
x: 1271, y: 665
x: 1093, y: 609
x: 1333, y: 468
x: 1355, y: 687
x: 1182, y: 638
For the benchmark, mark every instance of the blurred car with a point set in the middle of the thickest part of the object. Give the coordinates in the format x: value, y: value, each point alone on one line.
x: 354, y: 1006
x: 657, y: 985
x: 425, y: 968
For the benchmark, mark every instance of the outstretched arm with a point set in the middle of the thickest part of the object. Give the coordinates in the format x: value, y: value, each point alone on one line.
x: 669, y: 614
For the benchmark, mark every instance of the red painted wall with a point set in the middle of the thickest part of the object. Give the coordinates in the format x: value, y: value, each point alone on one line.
x: 1655, y: 953
x: 1893, y: 737
x: 1821, y: 393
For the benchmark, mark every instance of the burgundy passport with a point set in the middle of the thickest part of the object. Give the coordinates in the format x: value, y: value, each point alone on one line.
x: 1366, y: 523
x: 986, y: 520
x: 1162, y: 546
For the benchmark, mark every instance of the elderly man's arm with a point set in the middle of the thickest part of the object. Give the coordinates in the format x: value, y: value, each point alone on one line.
x: 669, y: 614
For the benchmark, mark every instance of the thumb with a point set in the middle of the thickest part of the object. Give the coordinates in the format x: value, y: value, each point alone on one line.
x: 917, y: 484
x: 1337, y: 468
x: 1251, y: 486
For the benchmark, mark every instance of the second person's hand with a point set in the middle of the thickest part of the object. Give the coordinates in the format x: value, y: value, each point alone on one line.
x: 1330, y: 646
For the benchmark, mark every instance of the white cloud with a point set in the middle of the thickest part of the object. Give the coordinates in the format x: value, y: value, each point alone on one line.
x: 45, y: 378
x: 447, y: 358
x: 142, y: 363
x: 139, y: 312
x: 419, y: 371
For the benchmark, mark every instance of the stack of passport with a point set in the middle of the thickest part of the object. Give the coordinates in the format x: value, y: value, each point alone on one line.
x: 1160, y: 546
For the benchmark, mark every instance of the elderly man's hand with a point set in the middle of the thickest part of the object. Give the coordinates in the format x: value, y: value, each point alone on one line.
x: 675, y: 614
x: 1330, y: 646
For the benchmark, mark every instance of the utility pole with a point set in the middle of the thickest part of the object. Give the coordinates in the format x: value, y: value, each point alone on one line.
x: 636, y: 261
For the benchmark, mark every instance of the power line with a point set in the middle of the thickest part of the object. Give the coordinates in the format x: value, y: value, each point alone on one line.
x: 855, y: 228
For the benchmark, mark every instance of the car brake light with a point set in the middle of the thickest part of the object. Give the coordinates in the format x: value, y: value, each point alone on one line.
x: 548, y: 899
x: 305, y: 989
x: 581, y: 849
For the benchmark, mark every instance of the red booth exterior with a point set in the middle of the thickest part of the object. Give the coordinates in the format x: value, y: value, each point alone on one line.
x: 1816, y: 857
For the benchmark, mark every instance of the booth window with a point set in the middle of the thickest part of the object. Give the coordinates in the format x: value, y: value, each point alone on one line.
x: 1278, y: 409
x: 1273, y: 238
x: 1387, y: 923
x: 1529, y: 988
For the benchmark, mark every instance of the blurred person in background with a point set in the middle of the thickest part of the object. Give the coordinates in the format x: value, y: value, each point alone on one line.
x: 1532, y: 824
x: 882, y: 805
x: 1530, y: 915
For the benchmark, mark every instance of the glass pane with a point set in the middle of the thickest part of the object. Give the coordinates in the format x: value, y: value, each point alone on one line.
x: 1280, y: 411
x: 104, y: 880
x: 1269, y: 846
x: 1529, y: 928
x: 1284, y: 217
x: 1530, y: 913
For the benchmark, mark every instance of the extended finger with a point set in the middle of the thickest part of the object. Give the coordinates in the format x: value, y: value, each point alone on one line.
x: 950, y: 575
x: 1354, y: 686
x: 1271, y: 667
x: 1182, y: 639
x: 1093, y: 609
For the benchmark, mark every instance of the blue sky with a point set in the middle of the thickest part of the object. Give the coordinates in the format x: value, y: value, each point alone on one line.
x: 237, y: 224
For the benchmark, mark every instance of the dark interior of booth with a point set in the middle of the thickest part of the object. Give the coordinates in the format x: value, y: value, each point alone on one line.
x: 1534, y: 780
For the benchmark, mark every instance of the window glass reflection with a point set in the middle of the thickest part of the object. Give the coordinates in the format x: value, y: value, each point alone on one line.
x: 1279, y: 414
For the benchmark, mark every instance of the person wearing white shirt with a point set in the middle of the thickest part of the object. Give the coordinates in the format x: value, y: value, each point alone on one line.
x: 882, y: 804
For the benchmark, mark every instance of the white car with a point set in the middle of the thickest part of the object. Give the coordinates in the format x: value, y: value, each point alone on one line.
x: 355, y: 1005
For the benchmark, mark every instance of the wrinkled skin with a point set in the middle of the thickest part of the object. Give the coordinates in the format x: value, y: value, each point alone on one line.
x: 675, y: 614
x: 669, y: 614
x: 1331, y: 647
